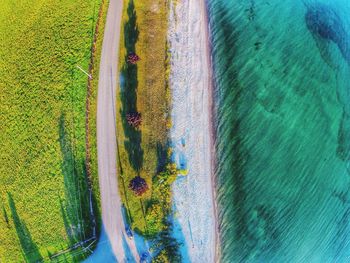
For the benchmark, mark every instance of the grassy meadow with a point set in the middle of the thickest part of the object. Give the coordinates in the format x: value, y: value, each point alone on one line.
x: 44, y: 199
x: 144, y: 151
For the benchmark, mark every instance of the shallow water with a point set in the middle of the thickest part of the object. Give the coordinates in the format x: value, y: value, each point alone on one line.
x: 283, y: 99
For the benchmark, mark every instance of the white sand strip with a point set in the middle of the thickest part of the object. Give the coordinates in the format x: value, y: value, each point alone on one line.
x: 191, y: 134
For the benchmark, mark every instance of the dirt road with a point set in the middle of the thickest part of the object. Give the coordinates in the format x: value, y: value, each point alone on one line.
x: 113, y: 232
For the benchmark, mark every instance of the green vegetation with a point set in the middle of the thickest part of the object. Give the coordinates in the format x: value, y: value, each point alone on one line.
x: 44, y: 176
x: 167, y: 247
x: 29, y: 248
x: 159, y: 203
x: 143, y: 150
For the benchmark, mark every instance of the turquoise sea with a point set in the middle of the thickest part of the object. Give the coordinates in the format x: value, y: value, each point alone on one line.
x: 282, y: 71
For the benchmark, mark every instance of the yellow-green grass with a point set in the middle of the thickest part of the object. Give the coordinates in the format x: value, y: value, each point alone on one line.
x: 144, y: 88
x: 43, y: 185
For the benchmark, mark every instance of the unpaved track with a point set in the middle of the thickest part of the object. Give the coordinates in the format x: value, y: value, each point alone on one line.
x: 123, y: 248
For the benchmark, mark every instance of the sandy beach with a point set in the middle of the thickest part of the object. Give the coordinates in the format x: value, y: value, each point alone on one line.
x: 192, y: 131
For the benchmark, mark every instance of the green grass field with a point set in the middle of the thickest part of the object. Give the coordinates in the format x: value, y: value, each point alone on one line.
x: 43, y: 181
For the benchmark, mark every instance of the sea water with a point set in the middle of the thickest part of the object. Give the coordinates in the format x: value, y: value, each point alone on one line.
x: 282, y: 73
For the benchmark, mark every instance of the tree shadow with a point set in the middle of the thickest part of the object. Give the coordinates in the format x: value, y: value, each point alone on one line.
x: 5, y: 216
x: 162, y: 158
x: 131, y: 32
x: 75, y: 207
x: 30, y: 250
x: 128, y: 93
x: 167, y: 242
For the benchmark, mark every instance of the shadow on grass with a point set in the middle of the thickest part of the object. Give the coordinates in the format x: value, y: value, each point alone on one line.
x: 75, y: 207
x: 5, y: 216
x: 162, y: 158
x: 29, y: 249
x: 128, y: 93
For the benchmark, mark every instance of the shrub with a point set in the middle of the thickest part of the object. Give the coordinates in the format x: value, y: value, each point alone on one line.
x: 183, y: 172
x: 134, y: 119
x: 161, y: 257
x: 154, y: 218
x: 138, y: 185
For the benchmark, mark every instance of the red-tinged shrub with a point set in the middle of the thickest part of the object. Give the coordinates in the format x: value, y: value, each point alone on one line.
x: 138, y: 185
x: 134, y: 119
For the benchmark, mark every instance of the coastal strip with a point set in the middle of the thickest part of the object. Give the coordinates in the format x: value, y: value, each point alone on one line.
x: 192, y: 133
x: 213, y: 124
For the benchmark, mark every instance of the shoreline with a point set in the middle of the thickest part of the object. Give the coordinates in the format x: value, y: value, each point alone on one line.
x: 193, y: 131
x: 212, y: 121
